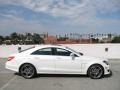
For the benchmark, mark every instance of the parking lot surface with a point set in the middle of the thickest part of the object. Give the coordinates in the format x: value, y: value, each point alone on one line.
x: 12, y: 81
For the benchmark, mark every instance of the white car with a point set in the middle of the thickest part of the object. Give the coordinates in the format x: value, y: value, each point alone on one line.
x: 56, y: 59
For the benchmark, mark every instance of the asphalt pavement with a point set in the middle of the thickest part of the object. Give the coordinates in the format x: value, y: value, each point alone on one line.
x: 10, y: 80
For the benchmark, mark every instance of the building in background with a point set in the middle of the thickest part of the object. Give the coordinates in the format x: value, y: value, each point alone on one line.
x: 45, y: 38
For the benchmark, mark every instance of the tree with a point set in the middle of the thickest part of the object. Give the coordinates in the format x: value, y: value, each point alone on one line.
x: 29, y: 38
x: 37, y: 39
x: 22, y: 39
x: 14, y: 38
x: 110, y: 36
x: 116, y: 39
x: 7, y: 40
x: 95, y: 40
x: 1, y: 40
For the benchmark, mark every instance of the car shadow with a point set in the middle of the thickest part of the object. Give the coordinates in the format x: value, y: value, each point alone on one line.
x: 64, y: 75
x: 57, y: 75
x: 61, y: 76
x: 109, y: 75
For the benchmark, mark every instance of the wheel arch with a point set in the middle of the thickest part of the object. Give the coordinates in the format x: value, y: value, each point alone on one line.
x: 95, y: 64
x: 27, y: 63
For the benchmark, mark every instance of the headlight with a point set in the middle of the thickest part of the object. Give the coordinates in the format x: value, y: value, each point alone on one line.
x: 106, y: 62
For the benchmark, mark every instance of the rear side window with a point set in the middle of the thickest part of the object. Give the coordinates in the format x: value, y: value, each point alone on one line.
x: 44, y: 51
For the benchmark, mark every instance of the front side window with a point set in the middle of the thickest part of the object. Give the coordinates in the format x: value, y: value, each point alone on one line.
x: 44, y: 51
x: 62, y: 52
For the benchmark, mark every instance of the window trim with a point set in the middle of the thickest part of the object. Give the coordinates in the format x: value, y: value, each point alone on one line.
x: 55, y: 50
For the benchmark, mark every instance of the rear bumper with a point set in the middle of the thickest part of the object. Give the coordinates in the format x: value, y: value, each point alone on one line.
x: 10, y: 66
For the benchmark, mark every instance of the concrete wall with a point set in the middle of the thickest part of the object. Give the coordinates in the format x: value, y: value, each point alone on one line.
x: 97, y: 50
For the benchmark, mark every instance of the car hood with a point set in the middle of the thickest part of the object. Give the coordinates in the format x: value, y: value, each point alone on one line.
x: 93, y: 58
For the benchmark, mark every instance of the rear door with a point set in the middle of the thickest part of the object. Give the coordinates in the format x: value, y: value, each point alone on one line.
x: 44, y: 60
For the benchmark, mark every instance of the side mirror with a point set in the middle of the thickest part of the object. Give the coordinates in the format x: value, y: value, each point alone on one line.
x: 73, y: 56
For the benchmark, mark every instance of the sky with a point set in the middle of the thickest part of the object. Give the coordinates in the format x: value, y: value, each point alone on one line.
x: 59, y: 16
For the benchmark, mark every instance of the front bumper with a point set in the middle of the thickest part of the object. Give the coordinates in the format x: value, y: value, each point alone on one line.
x: 107, y: 70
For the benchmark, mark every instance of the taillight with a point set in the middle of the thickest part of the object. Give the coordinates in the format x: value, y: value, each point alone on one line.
x: 11, y: 58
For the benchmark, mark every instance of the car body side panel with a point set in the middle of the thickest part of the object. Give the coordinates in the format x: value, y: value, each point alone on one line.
x: 65, y: 64
x: 44, y: 63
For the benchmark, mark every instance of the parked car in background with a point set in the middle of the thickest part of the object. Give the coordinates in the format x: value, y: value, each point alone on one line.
x: 56, y: 59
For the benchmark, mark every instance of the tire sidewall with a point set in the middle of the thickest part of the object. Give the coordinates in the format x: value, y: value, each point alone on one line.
x: 95, y: 77
x: 34, y: 71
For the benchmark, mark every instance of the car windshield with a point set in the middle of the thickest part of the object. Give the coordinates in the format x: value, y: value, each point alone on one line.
x: 73, y: 50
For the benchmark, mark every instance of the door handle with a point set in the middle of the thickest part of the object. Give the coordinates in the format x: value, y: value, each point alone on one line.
x: 36, y: 58
x: 59, y: 58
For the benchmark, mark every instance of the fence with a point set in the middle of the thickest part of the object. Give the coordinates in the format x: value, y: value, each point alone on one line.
x: 111, y: 51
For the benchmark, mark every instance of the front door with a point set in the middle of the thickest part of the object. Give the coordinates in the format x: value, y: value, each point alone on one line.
x: 64, y: 63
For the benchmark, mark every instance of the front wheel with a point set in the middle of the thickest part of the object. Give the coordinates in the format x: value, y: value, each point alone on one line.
x: 27, y: 71
x: 95, y: 71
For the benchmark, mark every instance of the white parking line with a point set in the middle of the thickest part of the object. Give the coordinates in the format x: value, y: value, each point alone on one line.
x: 3, y: 87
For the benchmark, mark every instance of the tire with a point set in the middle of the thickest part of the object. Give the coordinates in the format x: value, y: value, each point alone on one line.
x: 27, y: 71
x: 96, y: 71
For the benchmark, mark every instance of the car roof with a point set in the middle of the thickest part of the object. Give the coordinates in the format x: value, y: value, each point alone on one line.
x: 49, y: 45
x: 36, y: 47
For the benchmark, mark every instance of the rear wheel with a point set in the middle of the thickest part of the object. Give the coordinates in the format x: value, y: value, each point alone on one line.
x: 95, y: 71
x: 27, y: 71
